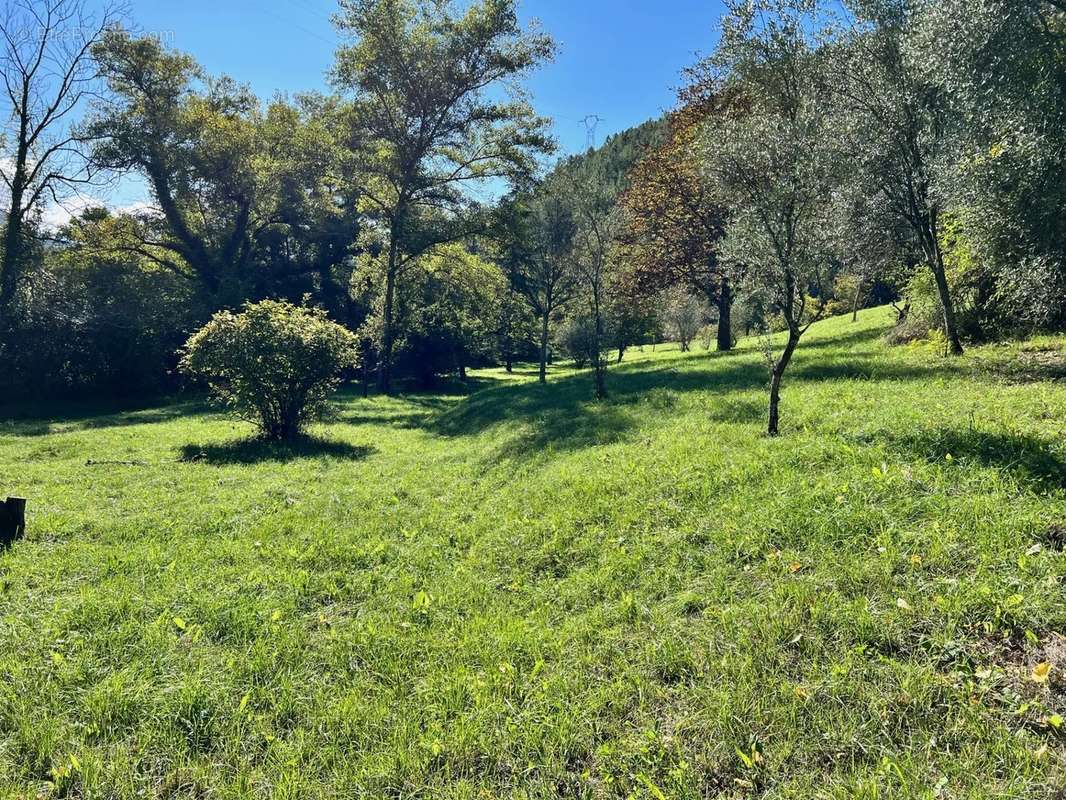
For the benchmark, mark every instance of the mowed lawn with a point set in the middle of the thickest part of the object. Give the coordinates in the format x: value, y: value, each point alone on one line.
x: 523, y: 593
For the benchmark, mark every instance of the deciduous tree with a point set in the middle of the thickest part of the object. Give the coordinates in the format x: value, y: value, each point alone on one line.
x: 673, y: 223
x: 596, y: 236
x: 436, y: 115
x: 195, y: 140
x: 541, y: 237
x: 48, y: 75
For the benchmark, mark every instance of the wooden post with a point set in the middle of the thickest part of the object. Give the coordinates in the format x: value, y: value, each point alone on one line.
x: 12, y: 520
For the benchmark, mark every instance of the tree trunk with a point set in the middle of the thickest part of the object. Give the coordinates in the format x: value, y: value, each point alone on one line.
x: 191, y: 248
x: 9, y: 276
x: 951, y: 326
x: 725, y: 316
x: 509, y: 364
x: 855, y: 302
x: 936, y: 263
x: 776, y: 374
x: 19, y: 183
x: 385, y: 357
x: 599, y: 363
x: 544, y: 347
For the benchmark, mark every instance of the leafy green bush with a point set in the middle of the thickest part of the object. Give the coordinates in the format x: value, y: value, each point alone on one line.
x: 979, y: 295
x: 275, y: 364
x: 574, y: 339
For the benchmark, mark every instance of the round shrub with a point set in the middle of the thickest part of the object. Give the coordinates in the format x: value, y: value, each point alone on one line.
x: 275, y: 364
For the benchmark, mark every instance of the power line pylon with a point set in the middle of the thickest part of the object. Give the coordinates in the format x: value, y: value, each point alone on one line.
x: 591, y: 122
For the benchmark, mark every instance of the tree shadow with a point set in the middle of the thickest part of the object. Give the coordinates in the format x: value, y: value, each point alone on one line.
x: 562, y: 415
x: 863, y: 336
x: 96, y: 415
x: 1032, y: 461
x: 442, y: 386
x: 394, y: 418
x: 255, y: 451
x: 863, y: 369
x: 559, y: 429
x: 734, y: 372
x: 1034, y: 366
x: 406, y: 411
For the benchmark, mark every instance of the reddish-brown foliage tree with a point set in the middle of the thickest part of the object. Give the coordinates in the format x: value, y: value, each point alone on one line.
x: 673, y: 224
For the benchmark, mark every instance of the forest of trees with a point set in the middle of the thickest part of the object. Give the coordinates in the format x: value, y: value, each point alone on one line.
x: 820, y: 159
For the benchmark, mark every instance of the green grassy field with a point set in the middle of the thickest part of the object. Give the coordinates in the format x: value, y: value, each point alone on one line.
x: 523, y: 593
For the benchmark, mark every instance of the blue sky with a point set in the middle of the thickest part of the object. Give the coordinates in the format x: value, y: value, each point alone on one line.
x: 620, y: 60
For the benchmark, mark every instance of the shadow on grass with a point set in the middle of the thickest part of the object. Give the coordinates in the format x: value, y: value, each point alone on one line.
x: 444, y: 386
x: 1032, y: 461
x: 863, y: 369
x: 255, y: 451
x: 565, y: 404
x: 863, y: 336
x: 406, y: 411
x: 73, y: 417
x: 561, y: 414
x: 1030, y: 367
x: 741, y: 411
x: 559, y: 429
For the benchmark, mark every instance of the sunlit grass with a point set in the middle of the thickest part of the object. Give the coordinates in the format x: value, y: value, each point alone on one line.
x: 521, y: 592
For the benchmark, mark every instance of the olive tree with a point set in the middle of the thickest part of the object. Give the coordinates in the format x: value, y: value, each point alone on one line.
x: 596, y: 236
x: 1000, y: 68
x: 682, y: 314
x: 897, y: 122
x: 771, y: 157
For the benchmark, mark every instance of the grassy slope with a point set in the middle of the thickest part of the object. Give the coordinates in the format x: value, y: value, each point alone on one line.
x: 526, y: 594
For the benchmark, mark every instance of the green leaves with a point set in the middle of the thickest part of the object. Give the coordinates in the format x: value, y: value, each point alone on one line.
x: 425, y: 127
x: 274, y: 364
x: 421, y: 603
x: 195, y: 141
x: 429, y: 126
